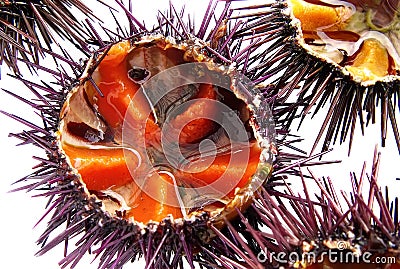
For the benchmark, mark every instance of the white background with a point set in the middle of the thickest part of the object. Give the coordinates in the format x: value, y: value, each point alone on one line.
x: 20, y: 212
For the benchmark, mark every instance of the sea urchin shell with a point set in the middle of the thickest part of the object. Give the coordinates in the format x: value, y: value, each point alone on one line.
x: 122, y: 127
x: 146, y: 161
x: 345, y: 53
x: 163, y: 142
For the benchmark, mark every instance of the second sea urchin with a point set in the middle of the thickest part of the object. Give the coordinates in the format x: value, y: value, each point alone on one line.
x: 345, y: 53
x: 329, y: 229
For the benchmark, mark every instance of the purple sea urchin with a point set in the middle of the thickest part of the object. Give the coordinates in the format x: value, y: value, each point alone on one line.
x: 355, y: 230
x: 342, y: 52
x: 77, y: 114
x: 124, y: 143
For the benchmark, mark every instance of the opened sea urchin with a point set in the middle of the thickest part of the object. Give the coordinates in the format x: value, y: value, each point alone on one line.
x: 345, y: 53
x: 200, y: 147
x: 145, y: 147
x: 160, y: 143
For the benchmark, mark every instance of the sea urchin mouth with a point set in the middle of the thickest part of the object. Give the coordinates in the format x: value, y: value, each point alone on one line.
x: 359, y: 37
x: 163, y: 131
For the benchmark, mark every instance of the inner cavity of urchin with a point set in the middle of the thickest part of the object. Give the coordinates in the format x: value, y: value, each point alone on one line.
x: 167, y: 136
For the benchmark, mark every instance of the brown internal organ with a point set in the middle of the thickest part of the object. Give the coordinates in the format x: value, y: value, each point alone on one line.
x: 342, y: 35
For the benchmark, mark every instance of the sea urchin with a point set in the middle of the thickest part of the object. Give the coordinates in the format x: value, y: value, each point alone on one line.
x: 345, y: 53
x: 159, y: 137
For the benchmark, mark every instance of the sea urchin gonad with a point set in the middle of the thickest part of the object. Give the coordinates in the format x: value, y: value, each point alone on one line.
x: 148, y: 149
x: 341, y: 53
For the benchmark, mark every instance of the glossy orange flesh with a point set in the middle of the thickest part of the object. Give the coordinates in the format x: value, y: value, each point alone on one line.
x: 101, y: 169
x: 201, y: 111
x: 372, y: 61
x: 314, y: 17
x: 154, y: 207
x: 238, y: 172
